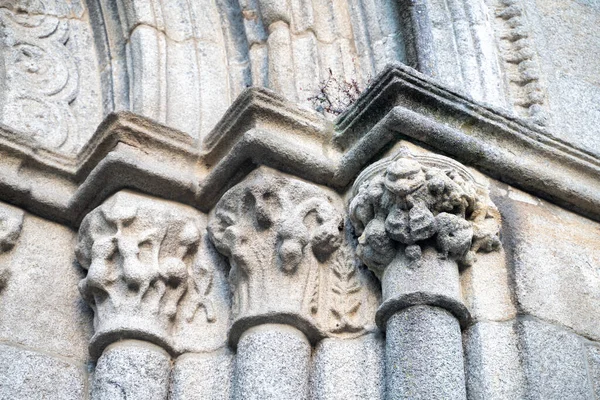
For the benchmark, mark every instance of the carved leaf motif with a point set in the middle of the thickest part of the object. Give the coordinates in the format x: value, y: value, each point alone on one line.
x: 345, y: 303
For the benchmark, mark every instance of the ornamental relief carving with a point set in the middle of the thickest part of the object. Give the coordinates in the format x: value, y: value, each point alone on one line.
x: 290, y: 258
x: 410, y: 201
x: 148, y: 274
x: 39, y: 75
x: 11, y: 224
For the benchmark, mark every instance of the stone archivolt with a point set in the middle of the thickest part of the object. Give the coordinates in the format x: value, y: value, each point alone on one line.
x: 290, y: 259
x: 145, y: 276
x: 42, y: 78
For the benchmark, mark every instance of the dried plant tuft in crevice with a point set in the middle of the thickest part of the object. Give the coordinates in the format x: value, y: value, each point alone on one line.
x: 335, y: 95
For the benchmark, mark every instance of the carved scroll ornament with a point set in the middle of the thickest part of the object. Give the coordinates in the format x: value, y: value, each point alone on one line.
x: 143, y: 271
x: 40, y: 75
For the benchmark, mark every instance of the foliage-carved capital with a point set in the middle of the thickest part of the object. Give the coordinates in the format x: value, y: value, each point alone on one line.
x: 290, y: 260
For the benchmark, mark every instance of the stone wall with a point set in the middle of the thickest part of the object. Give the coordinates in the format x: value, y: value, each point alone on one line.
x: 533, y: 332
x: 256, y: 199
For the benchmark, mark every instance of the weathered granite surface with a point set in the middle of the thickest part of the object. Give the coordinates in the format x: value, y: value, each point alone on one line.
x: 555, y: 256
x: 272, y: 363
x: 493, y: 365
x: 28, y: 375
x: 324, y: 199
x: 197, y: 376
x: 41, y: 307
x: 565, y: 36
x: 594, y: 368
x: 349, y: 368
x: 132, y: 370
x: 424, y: 342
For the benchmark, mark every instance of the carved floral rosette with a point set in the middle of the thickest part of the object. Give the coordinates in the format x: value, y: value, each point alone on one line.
x: 290, y: 261
x: 144, y: 273
x: 418, y: 218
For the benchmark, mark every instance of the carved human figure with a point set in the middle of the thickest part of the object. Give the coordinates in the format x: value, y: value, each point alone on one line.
x: 141, y: 257
x: 410, y: 203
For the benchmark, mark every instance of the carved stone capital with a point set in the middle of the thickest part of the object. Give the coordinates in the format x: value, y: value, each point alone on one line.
x: 11, y: 223
x: 145, y: 273
x: 417, y: 217
x: 290, y: 262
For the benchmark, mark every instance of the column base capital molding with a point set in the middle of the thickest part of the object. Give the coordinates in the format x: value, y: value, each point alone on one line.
x: 391, y: 306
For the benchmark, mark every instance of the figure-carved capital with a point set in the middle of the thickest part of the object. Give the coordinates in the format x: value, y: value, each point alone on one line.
x: 290, y: 262
x: 404, y: 203
x: 418, y: 218
x: 144, y: 270
x: 11, y: 223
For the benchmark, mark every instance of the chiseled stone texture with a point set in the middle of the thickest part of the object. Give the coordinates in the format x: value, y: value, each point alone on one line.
x: 202, y: 376
x: 594, y: 367
x: 486, y: 288
x: 554, y: 361
x: 566, y: 37
x: 28, y: 375
x: 493, y: 366
x: 555, y: 257
x: 346, y: 369
x: 40, y: 307
x: 132, y: 369
x: 422, y: 342
x: 272, y: 363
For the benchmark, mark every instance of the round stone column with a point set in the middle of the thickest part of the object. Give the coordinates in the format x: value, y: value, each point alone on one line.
x: 272, y: 363
x: 421, y: 314
x: 140, y: 254
x: 132, y: 369
x: 424, y: 356
x: 420, y: 218
x: 281, y: 236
